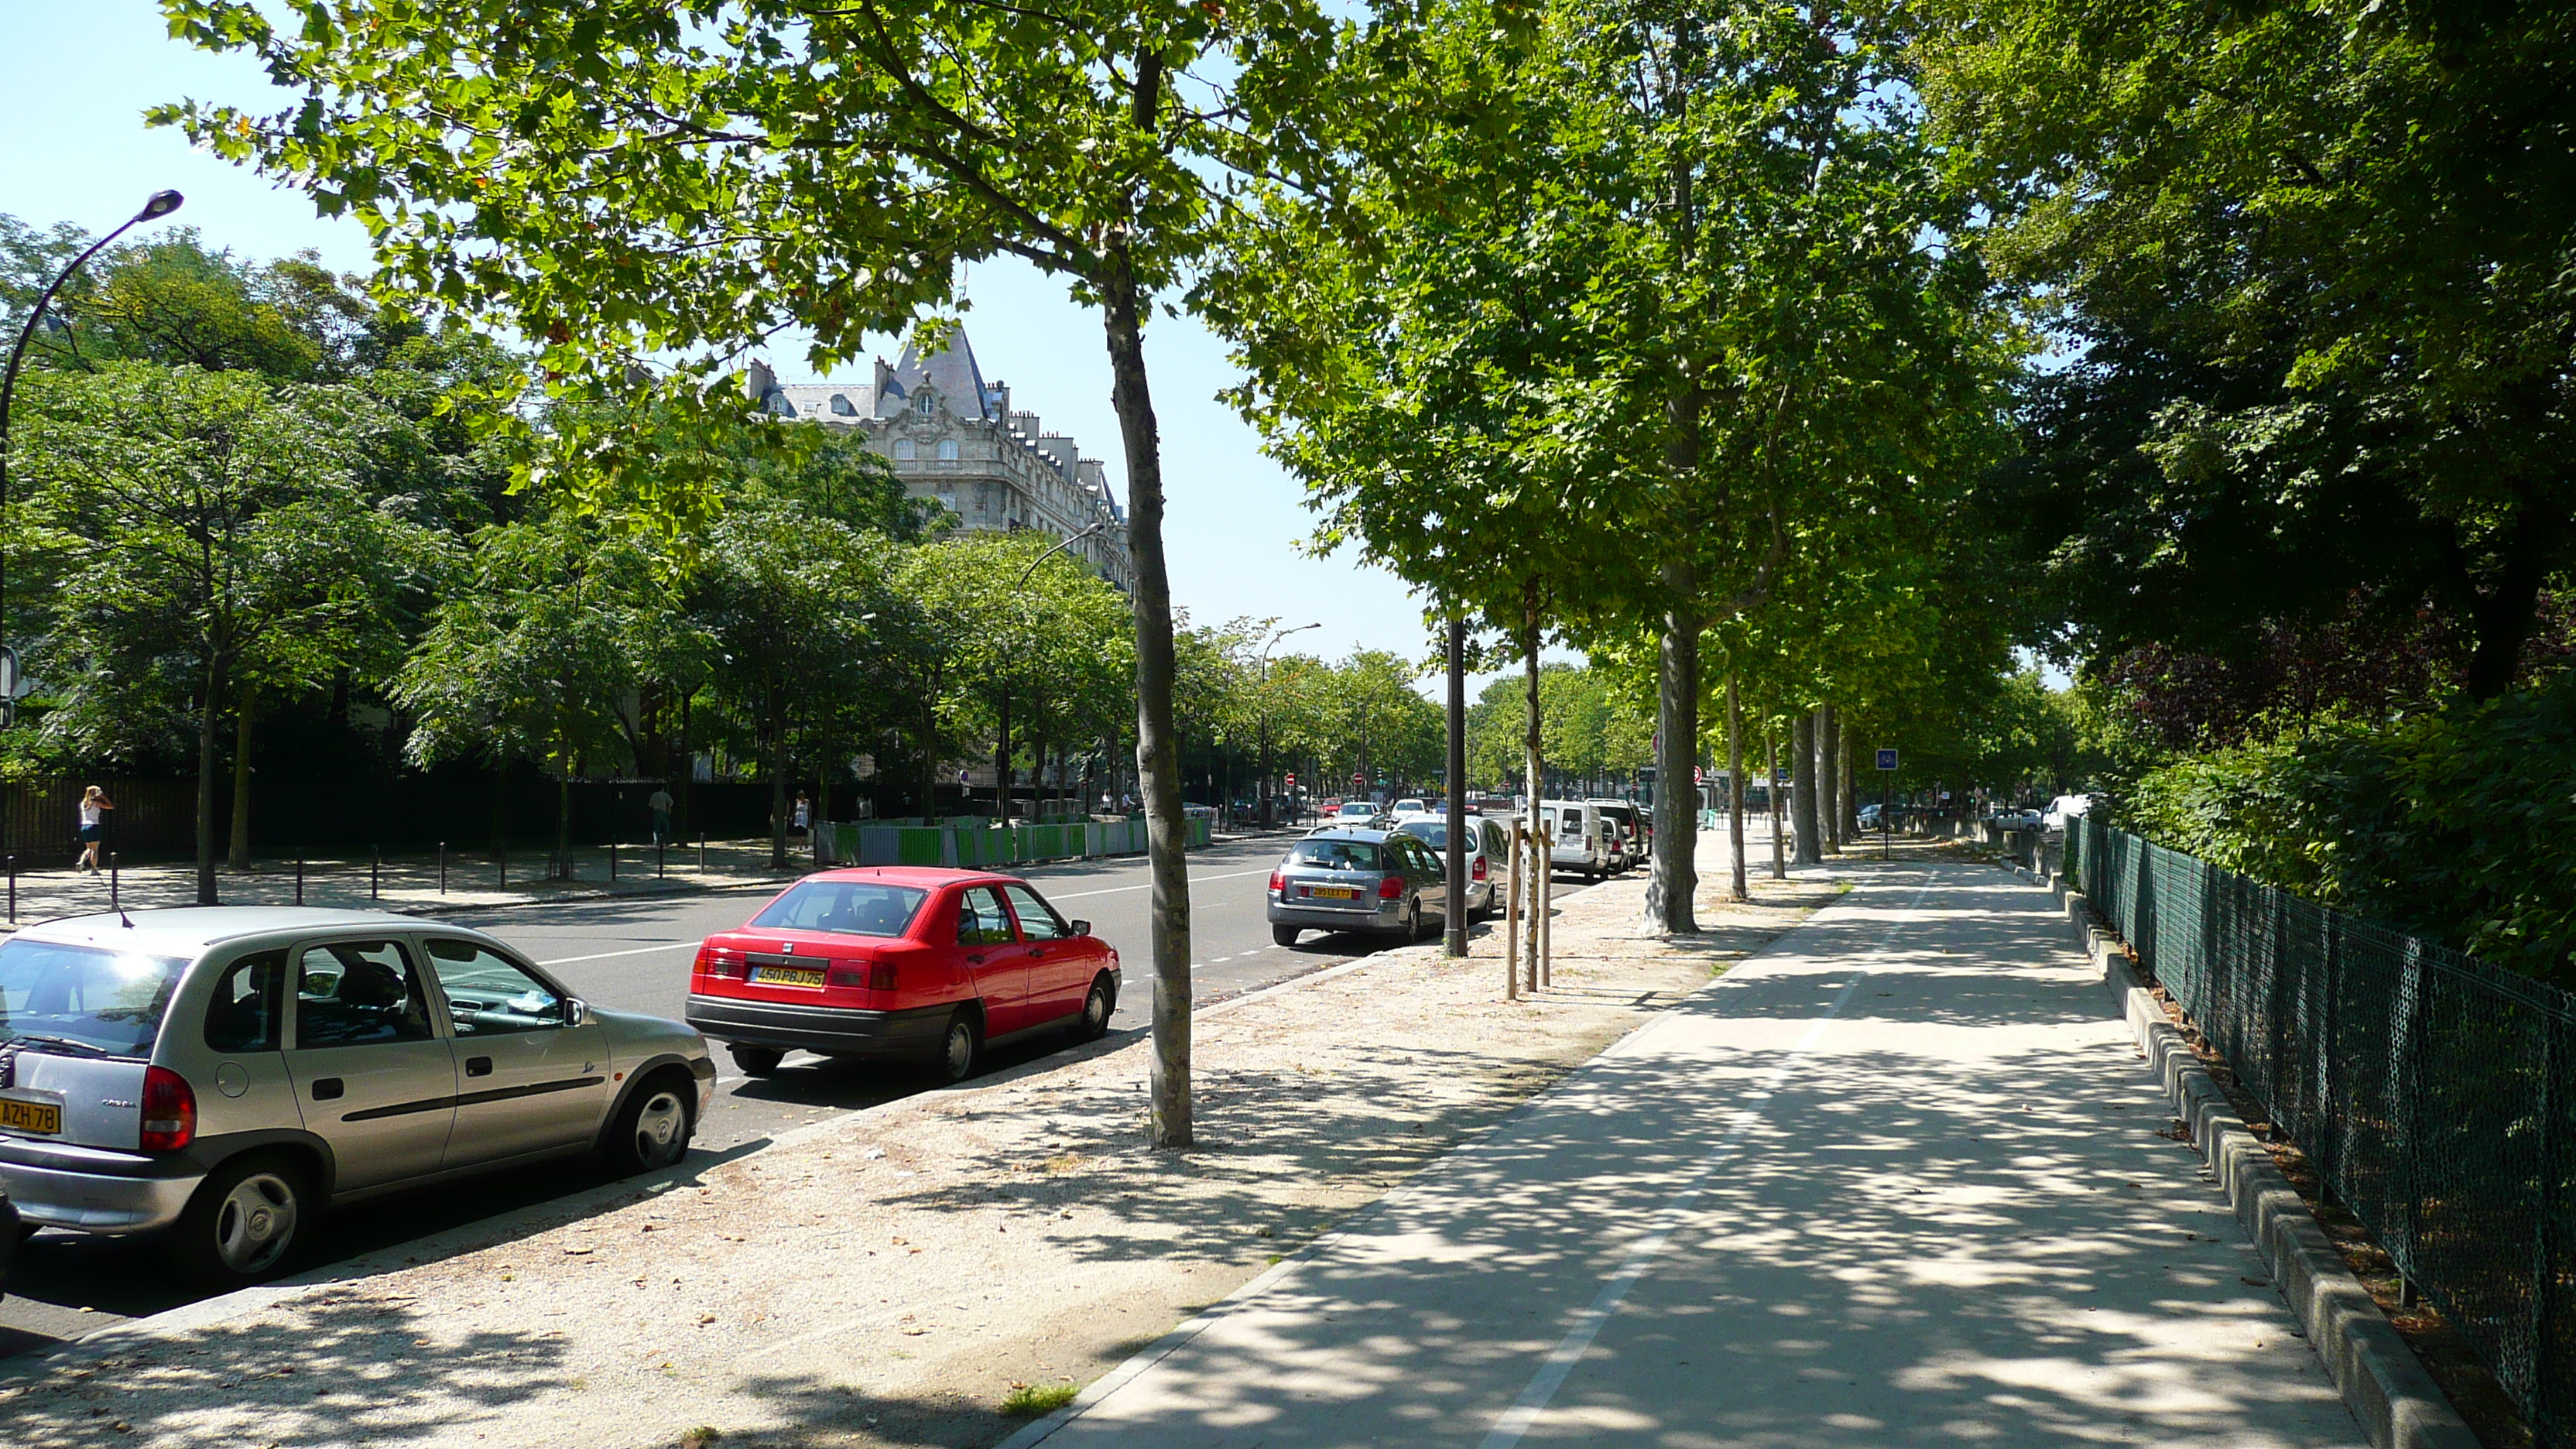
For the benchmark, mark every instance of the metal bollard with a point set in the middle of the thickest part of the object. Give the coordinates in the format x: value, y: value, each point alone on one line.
x: 702, y: 852
x: 376, y: 875
x: 13, y: 888
x: 442, y: 867
x: 299, y: 877
x: 612, y: 862
x: 114, y: 902
x: 657, y: 857
x: 502, y: 859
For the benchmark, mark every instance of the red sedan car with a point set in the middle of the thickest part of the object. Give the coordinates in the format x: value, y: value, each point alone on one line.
x: 903, y: 963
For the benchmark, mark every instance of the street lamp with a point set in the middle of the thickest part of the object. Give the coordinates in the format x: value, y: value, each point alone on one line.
x: 161, y: 204
x: 1002, y: 746
x: 1265, y: 713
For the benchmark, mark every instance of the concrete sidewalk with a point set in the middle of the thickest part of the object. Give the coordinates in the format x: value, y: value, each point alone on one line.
x: 1897, y: 1180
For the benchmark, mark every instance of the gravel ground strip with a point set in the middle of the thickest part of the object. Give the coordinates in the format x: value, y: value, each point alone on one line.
x: 892, y: 1277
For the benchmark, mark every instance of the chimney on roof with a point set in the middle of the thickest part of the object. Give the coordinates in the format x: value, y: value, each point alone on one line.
x: 1027, y: 423
x: 758, y: 382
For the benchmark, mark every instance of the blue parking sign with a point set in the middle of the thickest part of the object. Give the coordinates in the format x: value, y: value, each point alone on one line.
x: 1887, y: 759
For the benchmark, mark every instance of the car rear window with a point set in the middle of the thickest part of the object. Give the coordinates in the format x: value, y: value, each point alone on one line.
x: 108, y: 1001
x: 1336, y: 854
x: 1434, y: 835
x: 845, y: 907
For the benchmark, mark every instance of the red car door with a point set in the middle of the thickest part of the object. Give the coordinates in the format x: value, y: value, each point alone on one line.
x: 1060, y: 963
x: 995, y: 959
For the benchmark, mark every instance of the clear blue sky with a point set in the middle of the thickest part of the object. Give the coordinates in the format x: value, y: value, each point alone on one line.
x: 80, y: 75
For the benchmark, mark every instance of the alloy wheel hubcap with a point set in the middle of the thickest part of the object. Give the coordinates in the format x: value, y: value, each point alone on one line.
x: 255, y: 1223
x: 961, y: 1049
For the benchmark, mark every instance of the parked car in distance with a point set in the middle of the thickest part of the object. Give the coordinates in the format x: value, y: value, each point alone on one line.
x: 1356, y: 812
x: 2065, y: 808
x: 221, y: 1075
x: 1581, y: 836
x: 2022, y: 819
x: 1379, y: 881
x: 1625, y: 832
x: 1488, y: 853
x: 1409, y: 805
x: 901, y: 963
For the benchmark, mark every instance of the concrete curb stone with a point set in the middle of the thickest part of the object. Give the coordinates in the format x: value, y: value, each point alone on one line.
x: 2383, y: 1383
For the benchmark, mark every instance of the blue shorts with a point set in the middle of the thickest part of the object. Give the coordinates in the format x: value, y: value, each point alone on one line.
x: 89, y: 832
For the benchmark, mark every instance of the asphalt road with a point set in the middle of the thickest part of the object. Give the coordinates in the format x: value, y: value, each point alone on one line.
x: 633, y: 954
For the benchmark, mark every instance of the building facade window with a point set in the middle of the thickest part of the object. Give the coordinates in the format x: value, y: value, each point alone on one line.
x: 841, y: 407
x: 948, y: 450
x: 903, y: 451
x: 922, y: 404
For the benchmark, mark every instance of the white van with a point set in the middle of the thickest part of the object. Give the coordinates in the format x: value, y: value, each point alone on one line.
x: 1584, y: 836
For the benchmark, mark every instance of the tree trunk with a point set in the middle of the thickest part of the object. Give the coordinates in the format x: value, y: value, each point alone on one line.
x: 1673, y: 879
x: 563, y: 822
x: 1736, y: 889
x: 207, y: 715
x: 1771, y: 799
x: 1454, y: 921
x: 1541, y: 858
x: 1802, y: 787
x: 1846, y: 819
x: 1829, y: 791
x: 242, y: 712
x: 1158, y: 761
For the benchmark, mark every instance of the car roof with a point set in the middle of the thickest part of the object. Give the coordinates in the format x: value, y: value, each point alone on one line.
x: 1349, y: 832
x: 189, y: 930
x: 927, y: 877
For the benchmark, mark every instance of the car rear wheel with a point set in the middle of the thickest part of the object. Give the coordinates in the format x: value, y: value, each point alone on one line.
x: 1283, y: 935
x: 757, y: 1061
x: 1096, y: 1009
x: 1413, y: 919
x: 246, y: 1221
x: 960, y: 1048
x: 652, y: 1130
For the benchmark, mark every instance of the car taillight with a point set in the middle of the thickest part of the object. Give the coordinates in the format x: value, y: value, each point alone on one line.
x: 717, y: 961
x: 169, y: 1110
x: 875, y: 976
x: 1390, y: 888
x: 1477, y: 871
x: 1278, y: 882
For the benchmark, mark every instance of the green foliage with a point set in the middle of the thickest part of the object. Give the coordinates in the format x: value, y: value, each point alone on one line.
x: 2459, y: 824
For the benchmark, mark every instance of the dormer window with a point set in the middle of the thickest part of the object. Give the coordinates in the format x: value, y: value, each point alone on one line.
x: 922, y: 404
x: 841, y: 407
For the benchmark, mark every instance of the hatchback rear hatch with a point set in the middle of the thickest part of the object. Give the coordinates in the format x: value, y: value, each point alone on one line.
x: 77, y: 1027
x: 1333, y: 875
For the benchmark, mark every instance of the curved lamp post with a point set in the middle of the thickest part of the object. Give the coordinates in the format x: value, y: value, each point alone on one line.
x: 1265, y: 714
x: 161, y: 204
x: 1002, y: 746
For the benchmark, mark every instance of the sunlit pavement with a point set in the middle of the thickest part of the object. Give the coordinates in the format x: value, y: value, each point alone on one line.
x: 1895, y: 1181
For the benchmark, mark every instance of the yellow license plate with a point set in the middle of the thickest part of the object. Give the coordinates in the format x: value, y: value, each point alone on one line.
x: 785, y: 976
x: 23, y: 1116
x: 1334, y: 893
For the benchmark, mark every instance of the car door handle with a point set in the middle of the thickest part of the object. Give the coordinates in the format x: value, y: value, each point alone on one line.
x: 478, y: 1066
x: 1037, y: 950
x: 327, y: 1089
x: 974, y: 960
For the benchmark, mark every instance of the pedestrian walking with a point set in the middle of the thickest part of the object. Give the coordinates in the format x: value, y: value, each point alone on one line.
x: 804, y: 816
x: 94, y: 806
x: 661, y: 803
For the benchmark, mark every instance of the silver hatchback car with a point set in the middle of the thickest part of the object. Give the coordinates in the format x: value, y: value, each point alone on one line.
x: 222, y: 1074
x: 1380, y: 881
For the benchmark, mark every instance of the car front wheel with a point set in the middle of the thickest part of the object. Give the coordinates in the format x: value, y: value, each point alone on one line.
x: 1096, y: 1009
x: 652, y: 1130
x: 246, y: 1220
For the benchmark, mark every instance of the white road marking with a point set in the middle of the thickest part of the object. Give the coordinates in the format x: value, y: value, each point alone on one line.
x: 1516, y: 1420
x: 1149, y: 885
x: 638, y: 951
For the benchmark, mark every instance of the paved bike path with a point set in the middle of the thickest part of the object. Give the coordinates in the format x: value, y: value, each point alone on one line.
x: 1893, y: 1182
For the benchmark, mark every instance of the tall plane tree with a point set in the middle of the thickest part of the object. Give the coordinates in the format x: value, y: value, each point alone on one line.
x: 629, y: 181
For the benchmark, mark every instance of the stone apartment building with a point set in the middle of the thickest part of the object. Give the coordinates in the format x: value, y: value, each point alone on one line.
x: 953, y: 437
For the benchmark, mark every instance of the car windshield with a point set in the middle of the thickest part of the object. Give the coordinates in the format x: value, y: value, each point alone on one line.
x: 845, y: 907
x: 84, y: 999
x: 1335, y: 854
x: 1357, y: 808
x: 1433, y: 833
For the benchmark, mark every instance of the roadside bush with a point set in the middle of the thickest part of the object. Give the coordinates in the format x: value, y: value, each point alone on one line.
x: 2458, y: 824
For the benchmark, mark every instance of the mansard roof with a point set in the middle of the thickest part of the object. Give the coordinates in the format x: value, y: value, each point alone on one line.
x: 952, y: 373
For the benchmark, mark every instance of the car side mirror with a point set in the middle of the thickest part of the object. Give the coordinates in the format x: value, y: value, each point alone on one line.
x: 1082, y: 928
x: 576, y: 1011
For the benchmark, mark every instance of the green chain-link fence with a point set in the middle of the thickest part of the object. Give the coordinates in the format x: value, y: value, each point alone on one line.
x: 2429, y: 1089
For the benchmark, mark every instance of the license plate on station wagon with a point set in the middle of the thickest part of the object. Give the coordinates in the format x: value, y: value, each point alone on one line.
x: 17, y: 1114
x: 1334, y: 893
x: 785, y: 976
